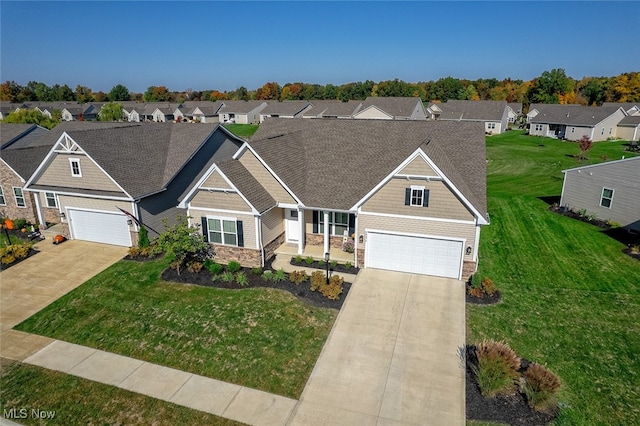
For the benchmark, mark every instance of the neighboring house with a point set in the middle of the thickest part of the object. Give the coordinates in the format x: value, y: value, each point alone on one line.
x: 572, y: 122
x: 494, y: 114
x: 162, y: 113
x: 410, y: 194
x: 208, y: 113
x: 433, y: 111
x: 241, y: 112
x: 631, y: 108
x: 392, y: 108
x: 514, y: 111
x: 21, y: 152
x: 72, y: 112
x: 332, y: 109
x: 629, y: 128
x: 608, y: 190
x: 131, y: 111
x: 8, y: 107
x: 284, y: 109
x: 98, y: 169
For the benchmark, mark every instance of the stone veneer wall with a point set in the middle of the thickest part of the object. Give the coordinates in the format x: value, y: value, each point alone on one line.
x: 271, y: 247
x: 468, y: 268
x: 65, y: 230
x: 249, y: 258
x: 360, y: 258
x: 318, y: 240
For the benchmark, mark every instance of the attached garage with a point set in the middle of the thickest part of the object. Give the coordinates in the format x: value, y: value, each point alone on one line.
x: 414, y: 254
x: 99, y: 226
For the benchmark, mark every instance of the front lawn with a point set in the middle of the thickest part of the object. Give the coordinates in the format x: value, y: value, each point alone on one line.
x: 570, y: 297
x: 260, y: 338
x: 27, y: 387
x: 242, y: 130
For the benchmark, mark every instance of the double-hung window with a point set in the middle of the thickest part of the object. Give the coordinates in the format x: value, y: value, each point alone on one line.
x: 50, y: 198
x: 19, y: 197
x: 3, y: 202
x: 607, y: 197
x: 75, y: 167
x: 227, y: 231
x: 338, y: 223
x: 416, y: 196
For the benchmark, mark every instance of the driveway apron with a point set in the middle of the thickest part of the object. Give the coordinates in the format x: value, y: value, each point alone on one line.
x: 393, y: 356
x: 36, y: 282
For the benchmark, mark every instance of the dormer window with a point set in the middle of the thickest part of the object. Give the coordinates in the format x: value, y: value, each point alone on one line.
x: 75, y: 167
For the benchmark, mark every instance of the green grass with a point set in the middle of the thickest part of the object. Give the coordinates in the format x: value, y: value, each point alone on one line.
x: 27, y: 387
x: 571, y: 298
x: 242, y: 130
x: 261, y: 338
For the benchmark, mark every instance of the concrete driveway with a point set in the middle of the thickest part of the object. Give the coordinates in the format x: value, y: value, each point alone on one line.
x: 36, y: 282
x: 393, y: 356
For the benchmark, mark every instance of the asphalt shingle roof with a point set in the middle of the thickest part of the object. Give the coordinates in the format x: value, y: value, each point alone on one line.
x: 240, y: 107
x: 572, y: 115
x: 395, y: 106
x: 335, y: 163
x: 630, y: 121
x: 285, y: 107
x: 257, y: 195
x: 472, y: 110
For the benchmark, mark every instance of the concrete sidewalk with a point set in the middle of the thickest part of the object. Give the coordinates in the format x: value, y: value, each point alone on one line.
x: 190, y: 390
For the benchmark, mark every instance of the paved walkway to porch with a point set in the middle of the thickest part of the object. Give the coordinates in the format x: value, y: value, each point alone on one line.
x: 317, y: 252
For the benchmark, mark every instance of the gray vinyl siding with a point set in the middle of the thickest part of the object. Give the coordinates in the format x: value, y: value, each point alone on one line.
x: 58, y: 173
x: 442, y: 202
x: 575, y: 133
x: 163, y: 205
x: 418, y: 167
x: 272, y: 225
x: 420, y: 227
x: 583, y: 190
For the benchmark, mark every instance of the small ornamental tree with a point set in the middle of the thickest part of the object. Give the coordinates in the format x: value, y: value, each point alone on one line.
x: 585, y: 145
x: 143, y: 237
x: 182, y: 243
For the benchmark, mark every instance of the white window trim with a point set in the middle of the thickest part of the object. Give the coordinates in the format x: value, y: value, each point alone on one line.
x: 602, y: 197
x: 4, y: 200
x: 416, y: 188
x: 538, y: 127
x: 222, y: 231
x: 15, y: 198
x: 71, y: 161
x: 55, y: 200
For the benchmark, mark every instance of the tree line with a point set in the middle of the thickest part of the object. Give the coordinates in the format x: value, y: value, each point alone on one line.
x: 552, y: 86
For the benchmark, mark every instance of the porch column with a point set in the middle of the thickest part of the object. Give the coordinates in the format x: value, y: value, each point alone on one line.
x: 301, y: 230
x: 326, y: 232
x: 36, y: 197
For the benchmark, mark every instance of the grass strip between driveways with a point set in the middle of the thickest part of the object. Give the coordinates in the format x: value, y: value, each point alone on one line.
x: 571, y: 298
x: 260, y: 338
x: 28, y: 392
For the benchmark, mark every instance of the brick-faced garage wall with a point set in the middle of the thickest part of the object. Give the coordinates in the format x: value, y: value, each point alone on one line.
x: 9, y: 179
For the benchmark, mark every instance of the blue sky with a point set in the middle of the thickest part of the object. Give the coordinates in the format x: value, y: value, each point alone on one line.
x: 224, y: 45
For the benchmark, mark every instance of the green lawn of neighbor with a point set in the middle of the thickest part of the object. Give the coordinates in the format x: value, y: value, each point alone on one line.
x: 242, y: 130
x: 76, y: 401
x: 571, y: 298
x: 260, y: 338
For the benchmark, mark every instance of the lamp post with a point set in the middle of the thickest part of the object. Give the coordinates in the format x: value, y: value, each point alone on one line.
x: 326, y: 263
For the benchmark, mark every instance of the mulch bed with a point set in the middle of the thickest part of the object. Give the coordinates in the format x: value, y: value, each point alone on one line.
x: 574, y: 215
x: 32, y: 252
x: 628, y: 252
x: 301, y: 291
x: 510, y: 409
x: 322, y: 266
x: 485, y: 300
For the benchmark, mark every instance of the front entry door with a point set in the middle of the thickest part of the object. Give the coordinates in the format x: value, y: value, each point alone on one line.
x: 291, y: 224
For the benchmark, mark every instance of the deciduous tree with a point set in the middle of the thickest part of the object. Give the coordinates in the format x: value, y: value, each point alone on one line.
x: 111, y: 111
x: 33, y: 116
x: 119, y: 93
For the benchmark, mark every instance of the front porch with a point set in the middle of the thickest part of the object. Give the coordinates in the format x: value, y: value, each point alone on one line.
x: 316, y: 252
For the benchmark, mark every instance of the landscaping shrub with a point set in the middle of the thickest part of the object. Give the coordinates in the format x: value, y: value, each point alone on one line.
x: 635, y: 248
x: 233, y: 266
x: 348, y: 246
x: 318, y: 278
x: 297, y: 259
x: 213, y: 267
x: 309, y: 260
x: 496, y: 369
x: 541, y: 387
x: 241, y: 279
x: 14, y: 252
x: 19, y: 223
x: 488, y: 286
x: 143, y: 237
x: 298, y: 277
x: 182, y: 244
x: 348, y: 265
x: 333, y: 264
x: 333, y: 290
x: 227, y: 277
x: 280, y: 276
x: 134, y: 251
x: 194, y: 267
x: 256, y: 271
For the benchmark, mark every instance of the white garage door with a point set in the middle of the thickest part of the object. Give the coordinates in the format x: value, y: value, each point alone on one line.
x: 418, y: 255
x: 101, y: 227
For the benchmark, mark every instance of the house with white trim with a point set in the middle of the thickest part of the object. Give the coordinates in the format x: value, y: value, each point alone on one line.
x: 391, y: 108
x: 410, y: 195
x: 98, y: 171
x: 572, y: 122
x: 494, y: 114
x: 610, y: 190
